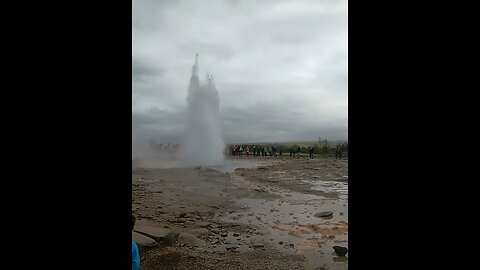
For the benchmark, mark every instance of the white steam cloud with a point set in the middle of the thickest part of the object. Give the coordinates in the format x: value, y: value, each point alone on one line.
x: 204, y: 143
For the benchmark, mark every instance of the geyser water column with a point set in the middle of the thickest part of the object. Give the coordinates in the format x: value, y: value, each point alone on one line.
x: 204, y: 141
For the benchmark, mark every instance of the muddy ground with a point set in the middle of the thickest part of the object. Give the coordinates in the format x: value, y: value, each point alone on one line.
x: 252, y: 213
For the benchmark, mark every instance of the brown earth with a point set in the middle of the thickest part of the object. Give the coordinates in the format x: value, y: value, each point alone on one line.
x: 249, y: 218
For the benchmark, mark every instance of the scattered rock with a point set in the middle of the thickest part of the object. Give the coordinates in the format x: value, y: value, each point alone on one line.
x: 190, y: 240
x: 280, y: 243
x: 224, y: 234
x: 258, y: 245
x: 291, y: 245
x: 177, y: 220
x: 231, y: 247
x: 236, y: 234
x: 331, y: 237
x: 156, y: 233
x: 341, y: 251
x: 341, y: 259
x: 199, y: 231
x: 324, y: 215
x: 203, y: 224
x: 171, y: 239
x: 143, y: 240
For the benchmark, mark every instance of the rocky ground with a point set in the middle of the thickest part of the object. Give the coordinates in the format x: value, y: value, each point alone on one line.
x: 273, y: 213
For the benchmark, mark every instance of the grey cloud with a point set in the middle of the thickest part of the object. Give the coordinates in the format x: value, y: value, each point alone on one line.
x: 280, y: 67
x: 208, y: 49
x: 260, y: 122
x: 158, y: 124
x: 142, y: 70
x: 278, y: 122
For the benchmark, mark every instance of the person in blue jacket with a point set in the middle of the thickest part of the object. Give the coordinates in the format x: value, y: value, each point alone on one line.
x: 135, y: 252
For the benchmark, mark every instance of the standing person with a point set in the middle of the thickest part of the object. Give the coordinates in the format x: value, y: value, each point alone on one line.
x: 265, y: 151
x: 281, y: 150
x: 298, y: 151
x: 247, y: 150
x: 338, y: 152
x: 310, y: 152
x: 254, y: 151
x: 135, y: 252
x: 240, y: 150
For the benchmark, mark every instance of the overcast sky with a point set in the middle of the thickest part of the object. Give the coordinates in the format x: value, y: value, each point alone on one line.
x: 280, y: 67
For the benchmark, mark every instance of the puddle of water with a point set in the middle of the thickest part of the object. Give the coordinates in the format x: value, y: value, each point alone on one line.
x: 230, y: 165
x: 288, y: 224
x: 290, y: 211
x: 290, y: 220
x: 330, y: 187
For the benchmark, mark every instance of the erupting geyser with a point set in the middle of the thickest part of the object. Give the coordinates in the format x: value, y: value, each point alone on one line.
x: 204, y: 142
